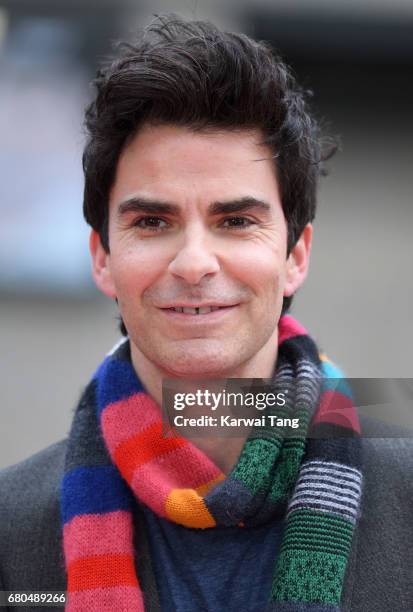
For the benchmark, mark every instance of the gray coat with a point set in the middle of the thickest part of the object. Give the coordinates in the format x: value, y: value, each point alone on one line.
x: 379, y: 575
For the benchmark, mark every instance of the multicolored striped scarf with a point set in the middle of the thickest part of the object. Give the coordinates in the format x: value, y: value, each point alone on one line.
x: 312, y: 477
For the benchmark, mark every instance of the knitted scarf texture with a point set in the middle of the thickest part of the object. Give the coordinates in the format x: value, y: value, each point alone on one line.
x: 310, y: 476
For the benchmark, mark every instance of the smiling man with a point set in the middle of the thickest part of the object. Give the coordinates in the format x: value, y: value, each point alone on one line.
x: 196, y: 221
x: 201, y: 169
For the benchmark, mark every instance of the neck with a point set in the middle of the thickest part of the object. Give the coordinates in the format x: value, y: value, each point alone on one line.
x: 224, y: 451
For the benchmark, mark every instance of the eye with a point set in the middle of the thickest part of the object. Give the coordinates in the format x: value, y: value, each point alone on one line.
x: 150, y: 223
x: 238, y: 223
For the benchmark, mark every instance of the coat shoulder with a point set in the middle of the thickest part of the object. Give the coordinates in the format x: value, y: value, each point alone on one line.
x: 26, y: 485
x: 31, y: 556
x: 379, y: 571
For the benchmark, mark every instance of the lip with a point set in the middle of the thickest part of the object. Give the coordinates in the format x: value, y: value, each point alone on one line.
x: 186, y: 317
x: 206, y: 304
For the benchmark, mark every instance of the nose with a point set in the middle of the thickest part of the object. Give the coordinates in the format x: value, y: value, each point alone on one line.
x: 195, y: 258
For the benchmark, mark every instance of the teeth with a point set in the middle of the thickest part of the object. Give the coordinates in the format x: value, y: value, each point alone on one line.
x: 195, y: 311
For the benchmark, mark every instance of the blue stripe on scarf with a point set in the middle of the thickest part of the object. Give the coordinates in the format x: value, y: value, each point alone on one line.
x: 110, y: 492
x: 120, y: 382
x: 334, y: 379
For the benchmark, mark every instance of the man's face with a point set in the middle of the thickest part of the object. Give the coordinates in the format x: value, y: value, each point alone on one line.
x: 195, y: 219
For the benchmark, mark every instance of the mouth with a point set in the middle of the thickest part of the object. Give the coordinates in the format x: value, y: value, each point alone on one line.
x: 200, y: 313
x: 196, y: 310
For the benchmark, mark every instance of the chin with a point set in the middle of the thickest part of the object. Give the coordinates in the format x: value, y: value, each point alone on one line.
x: 209, y: 368
x: 200, y: 363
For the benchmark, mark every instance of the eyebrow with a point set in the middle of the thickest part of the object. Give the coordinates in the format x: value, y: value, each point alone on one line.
x: 145, y: 205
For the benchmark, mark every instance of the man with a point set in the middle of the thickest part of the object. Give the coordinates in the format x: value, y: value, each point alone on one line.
x: 200, y: 186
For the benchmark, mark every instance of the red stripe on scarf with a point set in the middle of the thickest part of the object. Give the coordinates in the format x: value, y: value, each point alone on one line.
x: 338, y: 409
x: 101, y: 571
x: 143, y: 447
x: 288, y: 328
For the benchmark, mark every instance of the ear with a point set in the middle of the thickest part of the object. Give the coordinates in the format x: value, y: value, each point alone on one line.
x: 101, y: 266
x: 298, y: 262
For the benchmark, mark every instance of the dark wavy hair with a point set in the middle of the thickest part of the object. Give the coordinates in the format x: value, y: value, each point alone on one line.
x: 192, y: 74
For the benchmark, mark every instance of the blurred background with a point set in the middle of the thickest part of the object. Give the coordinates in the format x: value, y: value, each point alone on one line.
x: 357, y: 57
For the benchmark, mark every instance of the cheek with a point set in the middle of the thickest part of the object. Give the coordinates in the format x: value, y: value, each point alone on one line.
x: 133, y: 272
x: 262, y: 268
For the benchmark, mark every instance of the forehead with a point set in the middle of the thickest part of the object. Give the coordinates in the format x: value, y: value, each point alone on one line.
x: 170, y: 162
